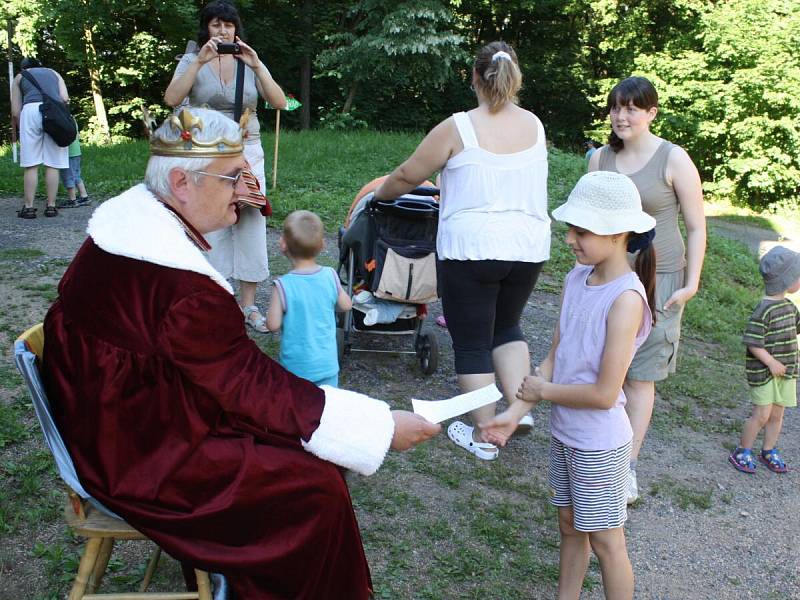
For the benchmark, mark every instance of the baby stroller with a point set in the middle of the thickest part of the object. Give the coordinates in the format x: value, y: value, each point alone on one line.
x: 387, y: 262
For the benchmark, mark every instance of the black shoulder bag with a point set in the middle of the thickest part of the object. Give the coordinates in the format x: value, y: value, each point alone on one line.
x: 57, y: 121
x: 239, y: 90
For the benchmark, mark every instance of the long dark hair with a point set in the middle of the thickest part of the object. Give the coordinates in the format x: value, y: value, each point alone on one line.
x: 645, y: 267
x: 631, y: 90
x: 222, y: 10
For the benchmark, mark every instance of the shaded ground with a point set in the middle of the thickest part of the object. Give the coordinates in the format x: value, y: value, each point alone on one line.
x: 438, y: 523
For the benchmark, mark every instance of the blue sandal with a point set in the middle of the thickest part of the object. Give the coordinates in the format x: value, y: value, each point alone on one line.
x: 773, y: 460
x: 743, y: 460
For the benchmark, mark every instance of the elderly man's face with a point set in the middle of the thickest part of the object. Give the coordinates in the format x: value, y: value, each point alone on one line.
x: 212, y: 202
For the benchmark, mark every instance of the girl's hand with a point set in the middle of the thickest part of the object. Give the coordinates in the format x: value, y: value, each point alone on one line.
x: 208, y: 51
x: 680, y: 297
x: 531, y: 389
x: 248, y: 55
x: 499, y: 429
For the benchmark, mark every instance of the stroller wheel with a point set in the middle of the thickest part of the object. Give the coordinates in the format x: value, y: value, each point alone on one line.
x: 428, y: 352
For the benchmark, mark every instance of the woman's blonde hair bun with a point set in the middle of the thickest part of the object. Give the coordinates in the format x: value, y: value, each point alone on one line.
x: 499, y: 78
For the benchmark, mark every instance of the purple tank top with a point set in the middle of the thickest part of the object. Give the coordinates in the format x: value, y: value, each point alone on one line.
x: 582, y: 338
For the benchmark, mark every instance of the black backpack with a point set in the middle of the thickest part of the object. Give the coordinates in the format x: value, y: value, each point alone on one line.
x: 57, y: 121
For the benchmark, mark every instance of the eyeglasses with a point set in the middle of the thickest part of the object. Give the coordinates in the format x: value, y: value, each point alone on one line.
x: 233, y: 179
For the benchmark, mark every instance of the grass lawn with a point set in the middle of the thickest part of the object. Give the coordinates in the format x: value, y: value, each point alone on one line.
x: 504, y: 539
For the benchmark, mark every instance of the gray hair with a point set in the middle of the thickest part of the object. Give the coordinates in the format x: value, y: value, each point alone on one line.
x: 215, y: 125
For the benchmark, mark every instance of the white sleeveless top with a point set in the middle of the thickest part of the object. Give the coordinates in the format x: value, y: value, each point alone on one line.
x: 494, y: 206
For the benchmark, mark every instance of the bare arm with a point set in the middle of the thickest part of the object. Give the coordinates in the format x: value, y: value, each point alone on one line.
x: 623, y: 322
x: 275, y: 310
x: 594, y: 160
x: 16, y: 101
x: 182, y: 84
x: 776, y: 367
x: 686, y: 182
x: 343, y: 302
x: 431, y: 155
x: 265, y: 84
x: 62, y: 89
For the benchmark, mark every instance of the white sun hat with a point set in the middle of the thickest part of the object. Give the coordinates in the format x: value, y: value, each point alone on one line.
x: 605, y: 203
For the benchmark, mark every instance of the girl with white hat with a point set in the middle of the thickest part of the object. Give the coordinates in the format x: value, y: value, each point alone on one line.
x: 605, y: 317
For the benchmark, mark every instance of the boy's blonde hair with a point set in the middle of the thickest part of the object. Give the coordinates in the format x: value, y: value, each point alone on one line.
x: 304, y: 234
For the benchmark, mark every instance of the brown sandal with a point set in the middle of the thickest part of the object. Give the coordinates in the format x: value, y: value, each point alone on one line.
x: 27, y: 212
x: 51, y: 211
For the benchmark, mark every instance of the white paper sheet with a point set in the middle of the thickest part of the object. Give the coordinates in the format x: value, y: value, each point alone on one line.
x: 441, y: 410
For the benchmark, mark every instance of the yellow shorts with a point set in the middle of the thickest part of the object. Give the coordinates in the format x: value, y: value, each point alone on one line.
x: 778, y: 390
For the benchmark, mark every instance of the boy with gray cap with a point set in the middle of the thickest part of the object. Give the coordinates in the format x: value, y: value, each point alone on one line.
x: 772, y: 360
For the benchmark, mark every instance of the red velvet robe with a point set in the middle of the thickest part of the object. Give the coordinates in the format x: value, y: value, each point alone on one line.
x: 180, y: 424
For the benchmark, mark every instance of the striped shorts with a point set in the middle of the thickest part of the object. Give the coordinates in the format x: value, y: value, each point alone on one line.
x: 593, y: 482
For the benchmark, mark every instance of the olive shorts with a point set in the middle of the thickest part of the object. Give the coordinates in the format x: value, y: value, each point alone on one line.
x: 657, y: 357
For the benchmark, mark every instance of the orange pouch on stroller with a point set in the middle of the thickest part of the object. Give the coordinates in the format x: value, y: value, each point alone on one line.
x: 406, y: 273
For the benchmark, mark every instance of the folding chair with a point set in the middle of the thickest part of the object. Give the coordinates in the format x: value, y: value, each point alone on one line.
x: 85, y: 515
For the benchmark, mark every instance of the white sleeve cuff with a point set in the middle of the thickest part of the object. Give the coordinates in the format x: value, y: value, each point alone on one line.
x: 354, y: 431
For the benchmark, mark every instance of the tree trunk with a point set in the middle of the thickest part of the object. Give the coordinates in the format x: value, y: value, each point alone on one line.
x: 348, y: 104
x: 94, y: 78
x: 305, y: 69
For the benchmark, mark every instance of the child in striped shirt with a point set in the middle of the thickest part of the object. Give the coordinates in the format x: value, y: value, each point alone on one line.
x: 772, y: 360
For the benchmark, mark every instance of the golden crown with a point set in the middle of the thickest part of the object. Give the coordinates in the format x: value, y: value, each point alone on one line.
x: 185, y: 144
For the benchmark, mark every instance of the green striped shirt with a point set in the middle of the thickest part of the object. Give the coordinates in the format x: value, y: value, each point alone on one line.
x: 774, y: 326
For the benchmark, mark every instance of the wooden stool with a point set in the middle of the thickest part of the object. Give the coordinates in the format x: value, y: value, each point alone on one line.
x: 100, y: 531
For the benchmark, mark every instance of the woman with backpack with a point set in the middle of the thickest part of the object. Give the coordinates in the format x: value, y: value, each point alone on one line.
x: 36, y: 146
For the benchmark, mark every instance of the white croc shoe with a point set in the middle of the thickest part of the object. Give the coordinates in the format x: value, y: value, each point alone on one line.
x: 525, y: 424
x: 633, y: 487
x: 461, y: 434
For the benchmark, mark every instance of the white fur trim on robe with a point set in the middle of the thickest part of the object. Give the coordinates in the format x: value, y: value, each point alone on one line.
x: 354, y: 432
x: 136, y: 225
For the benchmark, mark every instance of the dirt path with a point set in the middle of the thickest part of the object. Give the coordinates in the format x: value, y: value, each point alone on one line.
x: 701, y: 530
x: 757, y: 239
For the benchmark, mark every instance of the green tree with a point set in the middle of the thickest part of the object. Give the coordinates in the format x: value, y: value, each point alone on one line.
x: 127, y: 49
x: 410, y: 44
x: 733, y: 101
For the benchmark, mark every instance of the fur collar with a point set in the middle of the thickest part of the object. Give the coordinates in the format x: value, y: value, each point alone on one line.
x: 136, y: 225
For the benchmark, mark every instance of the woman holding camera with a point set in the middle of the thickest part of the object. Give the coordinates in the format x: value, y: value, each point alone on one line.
x: 208, y: 77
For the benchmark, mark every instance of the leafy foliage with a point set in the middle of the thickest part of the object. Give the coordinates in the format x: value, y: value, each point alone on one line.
x: 728, y: 74
x: 731, y: 96
x: 408, y: 46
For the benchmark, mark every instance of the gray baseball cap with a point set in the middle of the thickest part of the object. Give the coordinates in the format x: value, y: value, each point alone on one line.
x: 780, y: 268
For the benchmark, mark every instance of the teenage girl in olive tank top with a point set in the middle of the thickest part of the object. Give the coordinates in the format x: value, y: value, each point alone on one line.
x: 669, y: 185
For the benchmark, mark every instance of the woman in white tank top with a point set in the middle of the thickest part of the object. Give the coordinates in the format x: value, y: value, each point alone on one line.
x: 494, y: 232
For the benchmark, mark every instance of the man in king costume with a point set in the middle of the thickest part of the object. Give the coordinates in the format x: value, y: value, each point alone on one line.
x: 174, y: 418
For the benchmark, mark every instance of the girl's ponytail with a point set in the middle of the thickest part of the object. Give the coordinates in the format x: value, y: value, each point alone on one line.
x: 645, y: 265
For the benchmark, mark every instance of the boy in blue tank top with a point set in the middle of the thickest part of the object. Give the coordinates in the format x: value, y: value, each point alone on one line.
x: 305, y: 301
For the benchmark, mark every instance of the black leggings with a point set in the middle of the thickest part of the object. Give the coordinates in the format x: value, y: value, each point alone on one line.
x: 483, y: 302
